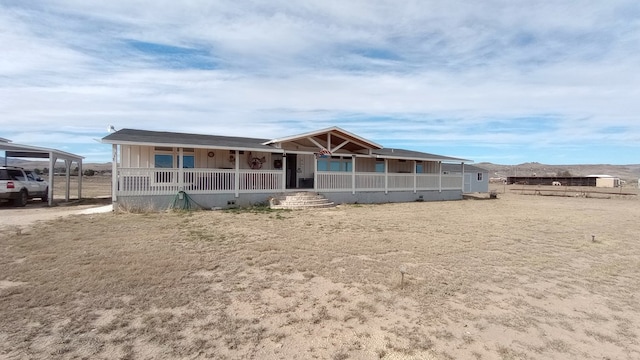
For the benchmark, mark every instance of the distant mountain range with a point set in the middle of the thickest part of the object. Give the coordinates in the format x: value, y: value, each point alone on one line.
x: 626, y: 172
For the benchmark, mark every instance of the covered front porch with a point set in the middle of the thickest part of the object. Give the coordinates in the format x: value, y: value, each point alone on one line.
x: 141, y: 181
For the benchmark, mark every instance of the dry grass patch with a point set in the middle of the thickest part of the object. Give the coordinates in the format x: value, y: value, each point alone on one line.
x: 514, y: 278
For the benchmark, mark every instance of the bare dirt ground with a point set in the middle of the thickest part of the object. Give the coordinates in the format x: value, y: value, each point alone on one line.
x: 96, y: 192
x: 520, y: 277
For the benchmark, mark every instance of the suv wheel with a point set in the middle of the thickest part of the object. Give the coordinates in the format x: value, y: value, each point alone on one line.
x: 45, y: 195
x: 22, y: 200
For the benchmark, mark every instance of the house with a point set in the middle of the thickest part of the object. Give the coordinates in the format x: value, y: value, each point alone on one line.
x: 476, y: 179
x: 151, y: 168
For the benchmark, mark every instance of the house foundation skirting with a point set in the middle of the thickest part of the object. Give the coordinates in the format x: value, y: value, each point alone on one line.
x: 149, y: 203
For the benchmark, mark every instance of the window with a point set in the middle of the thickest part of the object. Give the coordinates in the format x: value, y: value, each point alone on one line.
x: 168, y: 158
x: 16, y: 175
x: 323, y: 165
x: 479, y: 176
x: 379, y: 165
x: 164, y: 161
x: 335, y: 163
x: 419, y: 168
x: 189, y: 161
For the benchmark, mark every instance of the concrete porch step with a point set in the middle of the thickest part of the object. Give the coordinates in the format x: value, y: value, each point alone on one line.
x: 300, y: 200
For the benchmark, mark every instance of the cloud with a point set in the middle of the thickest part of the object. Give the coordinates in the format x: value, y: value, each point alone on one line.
x: 499, y: 74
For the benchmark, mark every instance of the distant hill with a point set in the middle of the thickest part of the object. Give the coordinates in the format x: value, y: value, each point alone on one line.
x: 624, y: 172
x: 39, y: 164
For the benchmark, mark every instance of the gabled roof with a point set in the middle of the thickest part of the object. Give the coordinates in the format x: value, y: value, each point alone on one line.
x: 333, y: 135
x: 413, y: 155
x: 174, y: 139
x: 322, y: 135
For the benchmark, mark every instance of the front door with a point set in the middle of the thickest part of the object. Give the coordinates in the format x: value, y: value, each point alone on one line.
x: 292, y: 171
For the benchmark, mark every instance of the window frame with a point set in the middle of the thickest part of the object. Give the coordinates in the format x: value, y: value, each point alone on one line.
x: 174, y: 153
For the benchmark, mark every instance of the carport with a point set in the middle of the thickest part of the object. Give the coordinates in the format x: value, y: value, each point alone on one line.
x: 14, y: 150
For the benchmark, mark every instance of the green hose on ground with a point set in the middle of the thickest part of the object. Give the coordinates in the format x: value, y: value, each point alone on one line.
x: 182, y: 201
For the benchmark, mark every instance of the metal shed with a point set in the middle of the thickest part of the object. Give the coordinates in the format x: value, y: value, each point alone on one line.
x: 14, y: 150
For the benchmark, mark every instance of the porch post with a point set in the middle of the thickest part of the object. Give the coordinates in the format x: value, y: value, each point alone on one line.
x: 284, y: 172
x: 315, y: 173
x: 440, y: 176
x: 180, y: 170
x: 353, y: 174
x: 415, y: 176
x: 114, y: 174
x: 462, y: 186
x: 236, y: 183
x: 386, y: 176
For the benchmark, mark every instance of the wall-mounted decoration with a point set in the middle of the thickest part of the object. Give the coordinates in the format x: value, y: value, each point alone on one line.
x: 210, y: 154
x: 255, y: 162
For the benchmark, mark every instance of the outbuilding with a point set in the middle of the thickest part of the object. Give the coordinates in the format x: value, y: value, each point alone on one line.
x: 476, y: 179
x: 606, y: 181
x: 14, y: 150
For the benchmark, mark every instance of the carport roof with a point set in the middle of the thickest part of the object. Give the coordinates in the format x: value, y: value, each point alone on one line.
x: 28, y: 151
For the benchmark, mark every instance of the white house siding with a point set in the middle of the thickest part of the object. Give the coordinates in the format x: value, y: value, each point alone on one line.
x: 431, y: 167
x: 134, y: 156
x: 365, y: 164
x: 305, y: 163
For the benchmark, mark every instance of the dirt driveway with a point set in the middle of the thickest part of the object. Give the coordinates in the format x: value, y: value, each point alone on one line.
x: 37, y: 211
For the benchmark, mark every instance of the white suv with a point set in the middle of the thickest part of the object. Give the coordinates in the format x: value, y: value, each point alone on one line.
x: 18, y: 185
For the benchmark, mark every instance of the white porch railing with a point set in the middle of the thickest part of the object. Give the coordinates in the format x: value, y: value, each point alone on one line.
x: 451, y: 182
x: 374, y: 181
x: 136, y: 181
x: 141, y: 181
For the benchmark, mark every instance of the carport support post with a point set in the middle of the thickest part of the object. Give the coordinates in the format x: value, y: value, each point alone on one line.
x: 67, y: 166
x: 52, y: 161
x: 80, y: 173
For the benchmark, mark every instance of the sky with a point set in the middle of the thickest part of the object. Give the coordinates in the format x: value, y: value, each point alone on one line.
x: 501, y: 81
